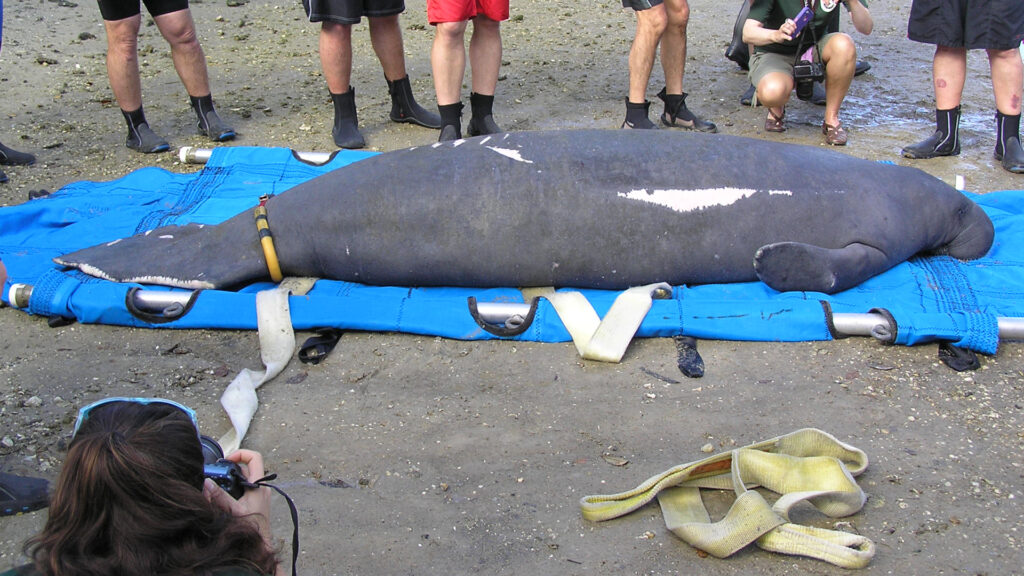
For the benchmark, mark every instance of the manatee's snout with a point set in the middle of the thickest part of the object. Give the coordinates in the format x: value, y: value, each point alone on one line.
x: 975, y: 235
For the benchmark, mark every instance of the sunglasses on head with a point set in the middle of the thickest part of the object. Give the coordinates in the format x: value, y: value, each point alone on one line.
x: 83, y: 413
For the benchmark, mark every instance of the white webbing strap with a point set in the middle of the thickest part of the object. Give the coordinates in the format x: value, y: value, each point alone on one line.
x: 604, y: 340
x: 807, y: 465
x: 277, y: 344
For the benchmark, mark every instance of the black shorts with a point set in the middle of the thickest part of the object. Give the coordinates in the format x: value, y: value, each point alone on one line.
x: 986, y: 24
x: 121, y: 9
x: 639, y: 5
x: 350, y: 11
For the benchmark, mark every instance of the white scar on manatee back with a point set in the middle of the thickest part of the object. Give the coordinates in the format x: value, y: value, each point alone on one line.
x: 691, y: 200
x: 509, y: 153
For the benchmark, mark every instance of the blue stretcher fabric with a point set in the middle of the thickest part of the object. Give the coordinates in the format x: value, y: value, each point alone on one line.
x: 931, y: 298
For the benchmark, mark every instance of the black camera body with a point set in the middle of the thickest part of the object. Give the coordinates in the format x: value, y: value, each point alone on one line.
x: 227, y: 474
x: 806, y: 73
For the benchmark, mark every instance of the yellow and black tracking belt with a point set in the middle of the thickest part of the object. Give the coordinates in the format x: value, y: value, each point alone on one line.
x: 267, y: 240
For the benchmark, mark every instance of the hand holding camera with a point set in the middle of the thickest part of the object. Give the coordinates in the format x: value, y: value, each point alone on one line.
x: 225, y: 473
x: 225, y: 484
x: 801, y: 20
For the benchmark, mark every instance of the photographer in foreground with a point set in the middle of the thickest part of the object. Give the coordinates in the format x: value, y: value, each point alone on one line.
x: 133, y: 499
x: 771, y: 29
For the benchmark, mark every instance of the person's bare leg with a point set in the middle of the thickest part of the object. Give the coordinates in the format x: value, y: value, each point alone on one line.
x: 840, y: 58
x: 484, y: 64
x: 386, y: 37
x: 650, y: 25
x: 335, y: 44
x: 123, y: 71
x: 485, y: 55
x: 673, y: 62
x: 949, y: 72
x: 773, y: 91
x: 189, y: 61
x: 673, y: 45
x: 123, y: 61
x: 448, y: 61
x: 336, y: 55
x: 1007, y: 79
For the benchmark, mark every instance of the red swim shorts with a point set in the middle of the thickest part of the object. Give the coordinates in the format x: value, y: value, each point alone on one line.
x: 461, y: 10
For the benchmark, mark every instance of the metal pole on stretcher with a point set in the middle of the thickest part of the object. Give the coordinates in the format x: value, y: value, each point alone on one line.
x: 191, y: 155
x: 513, y: 314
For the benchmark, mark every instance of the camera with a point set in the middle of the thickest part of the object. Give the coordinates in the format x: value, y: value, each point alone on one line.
x: 806, y: 73
x: 227, y: 474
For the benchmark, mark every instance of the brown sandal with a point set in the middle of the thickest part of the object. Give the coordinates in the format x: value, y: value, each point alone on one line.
x: 775, y: 123
x: 834, y: 135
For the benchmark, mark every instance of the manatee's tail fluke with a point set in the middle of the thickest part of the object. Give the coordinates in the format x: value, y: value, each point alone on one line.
x: 191, y: 256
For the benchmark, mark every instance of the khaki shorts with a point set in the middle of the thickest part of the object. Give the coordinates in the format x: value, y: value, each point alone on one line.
x: 764, y: 63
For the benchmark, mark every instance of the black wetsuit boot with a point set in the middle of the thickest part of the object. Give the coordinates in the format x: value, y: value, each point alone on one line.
x: 140, y: 136
x: 677, y: 115
x: 636, y: 116
x: 1008, y: 148
x: 944, y: 142
x: 404, y: 107
x: 451, y: 122
x: 346, y: 124
x: 9, y: 157
x: 209, y: 123
x: 482, y: 121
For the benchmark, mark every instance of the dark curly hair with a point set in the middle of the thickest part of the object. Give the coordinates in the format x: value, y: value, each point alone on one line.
x: 129, y: 500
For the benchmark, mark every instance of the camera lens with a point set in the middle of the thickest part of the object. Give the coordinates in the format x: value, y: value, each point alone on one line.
x: 805, y: 89
x: 211, y: 450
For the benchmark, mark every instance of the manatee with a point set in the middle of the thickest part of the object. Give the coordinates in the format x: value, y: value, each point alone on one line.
x: 586, y: 209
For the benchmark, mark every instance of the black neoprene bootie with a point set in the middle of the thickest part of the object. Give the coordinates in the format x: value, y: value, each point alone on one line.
x: 209, y: 122
x: 482, y: 120
x: 140, y: 136
x: 451, y: 122
x: 944, y: 142
x: 346, y: 125
x: 636, y: 116
x: 677, y: 115
x: 1008, y: 148
x: 747, y: 98
x: 404, y: 107
x: 10, y: 157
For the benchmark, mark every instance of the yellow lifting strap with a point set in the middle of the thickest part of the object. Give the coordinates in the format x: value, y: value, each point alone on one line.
x: 806, y: 465
x: 603, y: 339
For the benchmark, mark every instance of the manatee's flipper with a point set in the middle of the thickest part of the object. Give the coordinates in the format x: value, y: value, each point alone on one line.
x: 793, y: 266
x: 191, y: 256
